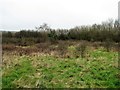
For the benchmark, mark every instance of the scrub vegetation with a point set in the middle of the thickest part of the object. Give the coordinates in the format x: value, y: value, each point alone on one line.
x: 82, y: 57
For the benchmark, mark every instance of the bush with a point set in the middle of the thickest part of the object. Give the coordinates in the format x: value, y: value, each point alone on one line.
x: 62, y: 49
x: 81, y: 49
x: 107, y: 44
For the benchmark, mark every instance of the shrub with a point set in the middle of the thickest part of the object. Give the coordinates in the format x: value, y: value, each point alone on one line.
x: 81, y: 49
x: 52, y: 37
x: 107, y: 44
x: 62, y: 49
x: 43, y: 46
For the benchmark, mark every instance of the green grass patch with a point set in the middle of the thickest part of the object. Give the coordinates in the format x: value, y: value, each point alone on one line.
x: 23, y: 69
x: 99, y: 70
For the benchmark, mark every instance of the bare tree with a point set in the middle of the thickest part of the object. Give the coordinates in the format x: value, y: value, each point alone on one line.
x: 43, y: 27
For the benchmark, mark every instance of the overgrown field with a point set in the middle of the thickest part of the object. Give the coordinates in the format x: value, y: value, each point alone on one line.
x: 60, y: 66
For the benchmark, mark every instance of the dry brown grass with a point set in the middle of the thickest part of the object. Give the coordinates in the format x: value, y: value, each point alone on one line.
x: 58, y: 50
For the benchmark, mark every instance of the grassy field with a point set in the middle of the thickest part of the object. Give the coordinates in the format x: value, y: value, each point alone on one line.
x: 98, y: 69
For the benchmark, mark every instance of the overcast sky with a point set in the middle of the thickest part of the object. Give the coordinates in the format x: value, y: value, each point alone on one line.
x: 26, y: 14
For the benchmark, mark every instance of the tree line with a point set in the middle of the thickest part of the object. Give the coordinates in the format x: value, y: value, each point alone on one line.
x: 108, y: 30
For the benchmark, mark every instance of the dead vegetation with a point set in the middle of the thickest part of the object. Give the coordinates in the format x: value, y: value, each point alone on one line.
x: 60, y: 49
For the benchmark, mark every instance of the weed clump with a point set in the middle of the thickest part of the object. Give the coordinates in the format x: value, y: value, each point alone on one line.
x: 62, y: 49
x: 107, y: 44
x: 81, y: 49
